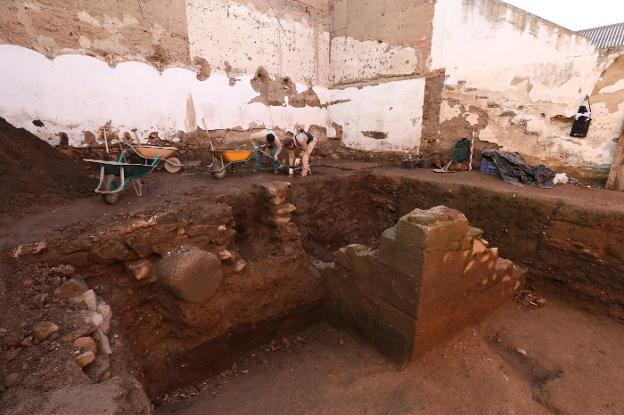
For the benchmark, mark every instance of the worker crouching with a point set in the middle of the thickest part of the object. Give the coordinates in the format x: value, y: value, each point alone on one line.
x: 267, y: 143
x: 302, y: 142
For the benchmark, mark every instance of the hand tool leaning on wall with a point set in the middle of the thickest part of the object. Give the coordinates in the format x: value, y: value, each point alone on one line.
x: 462, y: 152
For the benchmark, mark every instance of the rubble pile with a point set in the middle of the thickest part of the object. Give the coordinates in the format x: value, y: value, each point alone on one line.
x: 60, y: 341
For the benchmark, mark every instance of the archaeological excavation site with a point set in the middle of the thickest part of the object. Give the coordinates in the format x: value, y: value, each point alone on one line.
x: 309, y: 207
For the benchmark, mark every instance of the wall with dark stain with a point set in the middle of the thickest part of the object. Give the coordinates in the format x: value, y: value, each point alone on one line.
x: 375, y: 38
x: 153, y: 31
x: 166, y: 67
x: 379, y: 55
x: 517, y: 80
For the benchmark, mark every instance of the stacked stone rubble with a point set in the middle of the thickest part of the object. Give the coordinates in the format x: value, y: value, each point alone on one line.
x: 431, y: 276
x: 277, y: 211
x: 89, y: 338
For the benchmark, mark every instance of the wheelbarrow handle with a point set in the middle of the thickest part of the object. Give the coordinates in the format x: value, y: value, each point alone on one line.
x: 122, y: 185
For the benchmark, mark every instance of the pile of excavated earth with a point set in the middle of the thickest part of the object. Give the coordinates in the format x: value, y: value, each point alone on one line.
x: 33, y: 172
x: 203, y: 291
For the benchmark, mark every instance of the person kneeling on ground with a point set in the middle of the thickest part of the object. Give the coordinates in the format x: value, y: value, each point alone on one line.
x: 266, y: 142
x: 305, y: 143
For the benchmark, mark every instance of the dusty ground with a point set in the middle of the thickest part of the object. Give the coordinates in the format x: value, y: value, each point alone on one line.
x: 319, y: 372
x: 162, y: 189
x: 48, y: 215
x: 519, y: 361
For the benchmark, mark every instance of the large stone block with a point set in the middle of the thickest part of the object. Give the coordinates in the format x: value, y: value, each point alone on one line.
x: 434, y: 229
x: 389, y: 329
x: 378, y: 279
x: 190, y: 273
x: 399, y: 255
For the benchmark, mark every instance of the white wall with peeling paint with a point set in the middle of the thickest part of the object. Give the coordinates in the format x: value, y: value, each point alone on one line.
x: 78, y: 93
x: 504, y: 60
x: 393, y: 108
x: 246, y: 38
x: 355, y: 60
x: 492, y: 49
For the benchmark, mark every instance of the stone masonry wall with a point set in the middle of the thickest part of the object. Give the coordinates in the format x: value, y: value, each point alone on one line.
x: 181, y: 281
x: 431, y: 276
x: 566, y: 245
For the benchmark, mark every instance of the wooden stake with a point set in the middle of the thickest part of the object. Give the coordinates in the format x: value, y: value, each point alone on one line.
x: 105, y: 140
x: 616, y: 174
x: 474, y: 133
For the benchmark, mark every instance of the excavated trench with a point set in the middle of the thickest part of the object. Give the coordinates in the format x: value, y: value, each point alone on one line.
x: 271, y: 287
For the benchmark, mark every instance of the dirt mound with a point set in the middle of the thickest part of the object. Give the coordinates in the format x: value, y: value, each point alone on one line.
x: 33, y: 172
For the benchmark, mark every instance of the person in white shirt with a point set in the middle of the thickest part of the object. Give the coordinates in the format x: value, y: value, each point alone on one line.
x: 267, y: 142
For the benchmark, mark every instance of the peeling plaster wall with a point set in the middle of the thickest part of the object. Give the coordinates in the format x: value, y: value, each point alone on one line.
x: 165, y: 66
x: 240, y: 36
x: 171, y: 65
x: 356, y: 60
x: 607, y: 101
x: 383, y: 117
x: 76, y: 93
x: 153, y: 31
x: 516, y: 77
x: 376, y: 38
x: 493, y: 46
x: 379, y: 54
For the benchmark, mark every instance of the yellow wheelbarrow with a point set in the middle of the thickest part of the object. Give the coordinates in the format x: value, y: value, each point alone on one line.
x: 224, y: 160
x: 150, y: 153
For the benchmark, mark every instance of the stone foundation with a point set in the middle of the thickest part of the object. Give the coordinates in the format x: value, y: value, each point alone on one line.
x: 431, y: 276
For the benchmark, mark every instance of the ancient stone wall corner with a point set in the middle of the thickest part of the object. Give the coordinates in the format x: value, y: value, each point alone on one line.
x: 432, y: 275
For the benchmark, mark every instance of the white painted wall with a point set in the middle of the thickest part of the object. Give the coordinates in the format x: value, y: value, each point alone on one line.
x: 360, y: 60
x: 512, y: 61
x: 490, y: 51
x: 394, y: 108
x: 226, y: 31
x: 77, y: 93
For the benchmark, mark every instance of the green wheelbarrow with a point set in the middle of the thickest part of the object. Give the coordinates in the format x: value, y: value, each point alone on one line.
x: 116, y: 175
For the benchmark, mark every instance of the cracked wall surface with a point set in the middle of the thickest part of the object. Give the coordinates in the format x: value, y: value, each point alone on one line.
x: 77, y: 94
x: 424, y: 73
x: 517, y: 79
x: 153, y: 31
x: 168, y: 67
x: 286, y: 40
x: 386, y: 116
x: 375, y: 38
x: 379, y: 53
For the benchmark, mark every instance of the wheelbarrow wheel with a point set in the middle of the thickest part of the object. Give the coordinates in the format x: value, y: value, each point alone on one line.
x: 173, y: 165
x: 219, y: 174
x: 111, y: 182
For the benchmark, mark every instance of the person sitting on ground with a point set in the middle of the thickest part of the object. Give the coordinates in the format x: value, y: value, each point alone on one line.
x: 306, y: 143
x: 266, y: 142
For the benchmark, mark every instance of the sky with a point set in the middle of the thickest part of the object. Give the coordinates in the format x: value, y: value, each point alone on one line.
x: 575, y: 14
